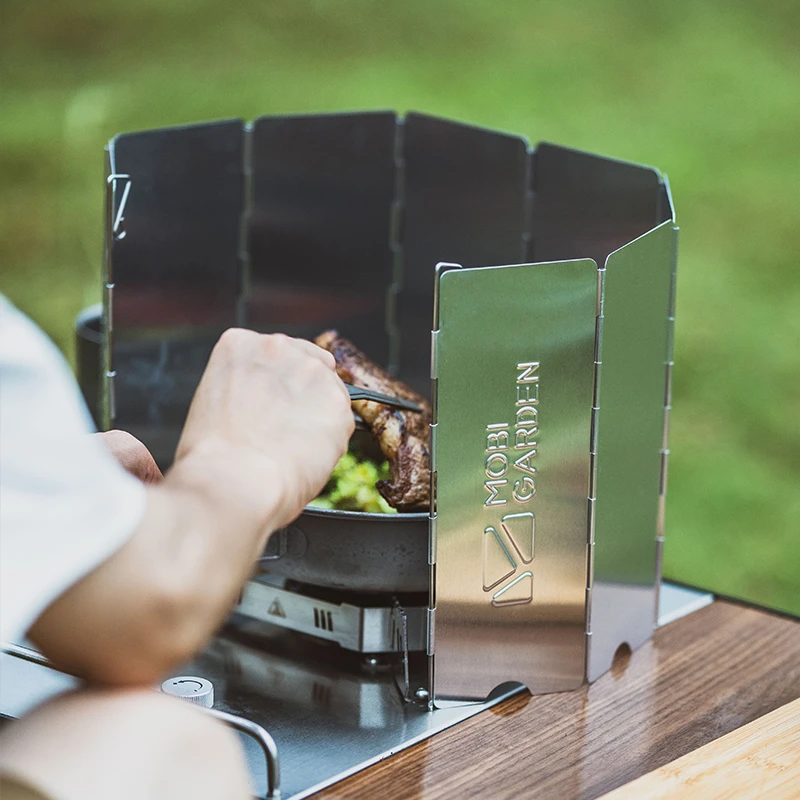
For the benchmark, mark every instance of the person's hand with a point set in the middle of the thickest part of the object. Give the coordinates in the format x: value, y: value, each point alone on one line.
x: 270, y: 411
x: 133, y: 455
x: 267, y: 424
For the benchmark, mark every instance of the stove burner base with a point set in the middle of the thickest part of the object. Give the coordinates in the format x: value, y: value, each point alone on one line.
x: 331, y: 712
x: 361, y: 623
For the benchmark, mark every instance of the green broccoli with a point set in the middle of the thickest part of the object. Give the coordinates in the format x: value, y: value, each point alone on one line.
x: 352, y: 486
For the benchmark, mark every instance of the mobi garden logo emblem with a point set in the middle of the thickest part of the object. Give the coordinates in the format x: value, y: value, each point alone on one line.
x: 510, y: 483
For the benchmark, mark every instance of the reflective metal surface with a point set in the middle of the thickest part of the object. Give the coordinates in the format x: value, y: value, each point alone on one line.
x: 172, y: 271
x: 29, y: 679
x: 319, y: 228
x: 630, y: 445
x: 327, y: 714
x: 330, y: 716
x: 464, y: 200
x: 307, y: 222
x: 587, y: 206
x: 675, y: 602
x: 358, y: 627
x: 514, y: 369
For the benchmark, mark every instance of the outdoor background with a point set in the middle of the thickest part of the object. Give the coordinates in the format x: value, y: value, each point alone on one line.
x: 707, y: 91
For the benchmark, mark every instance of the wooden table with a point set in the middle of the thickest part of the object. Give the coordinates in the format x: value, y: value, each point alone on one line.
x: 698, y: 679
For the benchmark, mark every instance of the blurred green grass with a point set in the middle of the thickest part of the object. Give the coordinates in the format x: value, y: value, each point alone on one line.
x: 709, y: 92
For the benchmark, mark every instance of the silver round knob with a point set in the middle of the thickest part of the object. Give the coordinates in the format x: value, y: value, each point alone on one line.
x: 188, y: 687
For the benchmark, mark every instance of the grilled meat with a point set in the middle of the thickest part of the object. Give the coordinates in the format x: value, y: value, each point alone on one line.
x: 403, y: 436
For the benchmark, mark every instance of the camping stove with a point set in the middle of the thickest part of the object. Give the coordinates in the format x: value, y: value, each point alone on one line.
x: 308, y: 711
x: 528, y: 291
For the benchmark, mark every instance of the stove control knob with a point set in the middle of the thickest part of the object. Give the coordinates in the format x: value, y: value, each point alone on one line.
x: 188, y: 687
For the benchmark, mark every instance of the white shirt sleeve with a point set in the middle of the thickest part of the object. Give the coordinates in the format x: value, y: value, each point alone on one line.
x: 65, y: 503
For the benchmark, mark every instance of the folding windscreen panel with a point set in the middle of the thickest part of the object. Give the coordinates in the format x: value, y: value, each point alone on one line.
x: 566, y: 367
x: 551, y: 371
x: 514, y: 371
x: 464, y: 200
x: 319, y: 228
x: 173, y: 273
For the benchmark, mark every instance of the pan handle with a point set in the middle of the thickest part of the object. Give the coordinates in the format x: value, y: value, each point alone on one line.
x: 282, y: 537
x: 289, y: 541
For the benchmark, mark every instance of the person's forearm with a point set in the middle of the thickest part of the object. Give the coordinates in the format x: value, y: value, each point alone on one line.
x: 221, y: 520
x: 174, y: 581
x: 268, y: 422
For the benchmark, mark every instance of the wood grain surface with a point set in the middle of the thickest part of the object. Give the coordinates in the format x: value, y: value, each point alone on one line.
x: 698, y: 679
x: 761, y: 759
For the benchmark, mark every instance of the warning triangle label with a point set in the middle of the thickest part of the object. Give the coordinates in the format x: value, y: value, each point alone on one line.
x: 276, y: 609
x: 497, y: 561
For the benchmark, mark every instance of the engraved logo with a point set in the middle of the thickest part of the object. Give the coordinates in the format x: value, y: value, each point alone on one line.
x: 510, y: 480
x: 505, y: 553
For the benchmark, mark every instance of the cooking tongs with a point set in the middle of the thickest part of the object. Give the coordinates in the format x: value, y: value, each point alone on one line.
x: 359, y: 393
